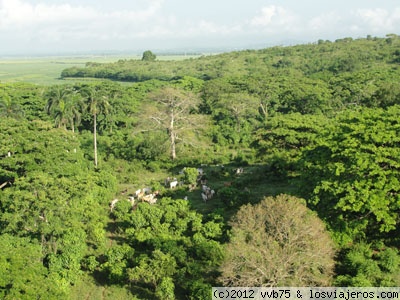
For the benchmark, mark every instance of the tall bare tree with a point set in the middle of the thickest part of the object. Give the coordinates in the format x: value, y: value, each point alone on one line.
x: 173, y: 112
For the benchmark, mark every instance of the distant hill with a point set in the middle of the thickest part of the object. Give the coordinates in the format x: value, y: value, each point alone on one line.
x: 322, y: 59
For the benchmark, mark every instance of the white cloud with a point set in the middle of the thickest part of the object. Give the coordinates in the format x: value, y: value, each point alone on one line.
x: 17, y: 13
x: 380, y: 20
x: 27, y: 24
x: 325, y: 22
x: 20, y: 13
x: 274, y: 16
x: 337, y: 23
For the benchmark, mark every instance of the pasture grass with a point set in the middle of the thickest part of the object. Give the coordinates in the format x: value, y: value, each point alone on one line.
x: 133, y: 176
x: 47, y: 70
x: 89, y: 289
x: 254, y: 180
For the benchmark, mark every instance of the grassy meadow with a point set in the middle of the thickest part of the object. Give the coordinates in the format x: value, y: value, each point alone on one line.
x: 46, y: 70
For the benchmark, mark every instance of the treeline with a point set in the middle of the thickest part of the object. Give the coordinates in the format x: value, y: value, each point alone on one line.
x: 318, y: 60
x: 317, y: 123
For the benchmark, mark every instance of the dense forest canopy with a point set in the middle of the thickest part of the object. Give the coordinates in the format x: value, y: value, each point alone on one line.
x: 162, y: 186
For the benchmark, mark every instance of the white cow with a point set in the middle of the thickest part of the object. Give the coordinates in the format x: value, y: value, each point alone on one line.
x: 204, y: 196
x: 112, y: 204
x: 131, y: 199
x: 173, y: 184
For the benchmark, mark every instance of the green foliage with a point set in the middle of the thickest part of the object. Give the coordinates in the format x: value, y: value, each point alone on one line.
x: 23, y: 275
x: 22, y: 100
x: 190, y: 175
x: 115, y: 265
x: 362, y: 265
x: 8, y: 108
x: 353, y: 172
x: 66, y: 263
x: 166, y: 289
x: 173, y: 246
x: 153, y: 270
x: 65, y: 105
x: 54, y: 197
x: 281, y: 140
x: 148, y: 56
x: 294, y: 117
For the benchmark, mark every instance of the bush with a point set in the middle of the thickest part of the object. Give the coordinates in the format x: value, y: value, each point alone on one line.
x: 190, y: 175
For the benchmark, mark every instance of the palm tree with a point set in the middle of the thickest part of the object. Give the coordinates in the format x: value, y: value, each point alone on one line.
x: 74, y: 110
x: 8, y: 108
x: 57, y: 99
x: 66, y: 106
x: 97, y: 103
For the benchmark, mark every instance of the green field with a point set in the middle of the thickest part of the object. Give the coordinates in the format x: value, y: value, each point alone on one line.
x: 47, y: 70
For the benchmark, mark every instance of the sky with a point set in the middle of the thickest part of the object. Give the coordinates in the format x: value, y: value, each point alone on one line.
x: 82, y: 26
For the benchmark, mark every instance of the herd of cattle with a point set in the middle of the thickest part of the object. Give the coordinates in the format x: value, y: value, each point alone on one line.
x: 147, y: 195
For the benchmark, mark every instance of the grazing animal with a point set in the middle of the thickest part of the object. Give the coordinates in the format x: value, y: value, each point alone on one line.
x: 151, y: 198
x: 4, y: 184
x: 147, y: 198
x: 173, y: 184
x: 209, y: 193
x: 239, y: 171
x: 146, y: 190
x: 212, y: 192
x: 204, y: 196
x: 153, y: 201
x: 140, y: 195
x: 131, y: 199
x: 191, y: 187
x: 227, y: 183
x: 112, y: 204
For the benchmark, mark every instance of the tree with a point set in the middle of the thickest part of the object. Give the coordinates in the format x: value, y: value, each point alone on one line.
x: 174, y: 248
x: 240, y: 106
x: 148, y: 56
x: 57, y: 97
x: 23, y: 275
x: 154, y: 269
x: 278, y: 242
x: 8, y: 107
x: 97, y: 104
x: 174, y: 113
x: 367, y: 265
x: 352, y: 173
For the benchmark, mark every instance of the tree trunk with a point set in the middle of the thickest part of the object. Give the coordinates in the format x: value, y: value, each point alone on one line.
x: 173, y: 146
x: 237, y: 123
x: 264, y: 109
x: 95, y: 138
x: 172, y: 138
